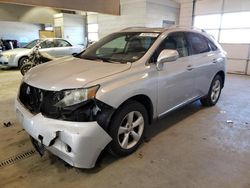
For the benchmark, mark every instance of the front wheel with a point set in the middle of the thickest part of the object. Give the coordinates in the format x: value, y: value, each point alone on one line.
x: 22, y: 61
x: 127, y: 129
x: 214, y: 92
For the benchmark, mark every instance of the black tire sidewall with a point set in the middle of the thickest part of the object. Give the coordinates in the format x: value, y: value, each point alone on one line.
x: 24, y: 66
x: 21, y: 61
x: 217, y: 77
x: 114, y: 146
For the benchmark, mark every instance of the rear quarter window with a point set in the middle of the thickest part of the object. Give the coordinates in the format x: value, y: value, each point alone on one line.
x: 213, y: 47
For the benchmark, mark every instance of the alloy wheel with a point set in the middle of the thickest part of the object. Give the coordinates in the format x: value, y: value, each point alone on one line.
x: 130, y: 130
x: 215, y: 91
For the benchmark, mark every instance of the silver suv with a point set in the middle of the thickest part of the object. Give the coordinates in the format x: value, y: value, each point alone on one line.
x: 107, y: 96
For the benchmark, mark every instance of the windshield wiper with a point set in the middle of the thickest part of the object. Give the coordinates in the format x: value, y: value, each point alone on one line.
x: 106, y: 60
x: 103, y: 59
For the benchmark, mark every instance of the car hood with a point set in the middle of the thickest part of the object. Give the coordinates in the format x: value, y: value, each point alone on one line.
x: 16, y: 51
x: 70, y: 72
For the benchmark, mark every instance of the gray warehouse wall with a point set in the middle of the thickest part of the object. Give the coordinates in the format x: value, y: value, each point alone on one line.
x: 149, y: 13
x: 20, y: 13
x: 72, y: 27
x: 22, y: 23
x: 23, y: 32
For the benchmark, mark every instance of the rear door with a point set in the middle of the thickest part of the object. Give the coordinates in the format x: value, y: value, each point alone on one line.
x: 204, y: 59
x: 176, y: 79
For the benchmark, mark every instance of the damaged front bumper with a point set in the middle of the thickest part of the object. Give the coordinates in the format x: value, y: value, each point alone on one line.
x: 77, y: 143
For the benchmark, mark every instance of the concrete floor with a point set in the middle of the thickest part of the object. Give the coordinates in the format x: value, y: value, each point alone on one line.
x: 194, y: 147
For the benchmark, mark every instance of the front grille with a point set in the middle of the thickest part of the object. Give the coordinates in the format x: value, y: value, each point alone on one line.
x: 38, y: 100
x: 43, y: 101
x: 31, y: 97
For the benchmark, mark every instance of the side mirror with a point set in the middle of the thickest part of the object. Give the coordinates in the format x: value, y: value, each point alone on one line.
x: 166, y: 56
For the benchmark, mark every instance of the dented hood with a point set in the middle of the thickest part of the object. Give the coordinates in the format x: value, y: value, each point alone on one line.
x: 70, y: 72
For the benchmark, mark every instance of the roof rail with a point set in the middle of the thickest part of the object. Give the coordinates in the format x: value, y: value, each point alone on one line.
x: 191, y: 27
x: 170, y: 27
x: 133, y: 28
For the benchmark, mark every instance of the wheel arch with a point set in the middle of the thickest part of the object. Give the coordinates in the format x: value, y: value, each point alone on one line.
x: 19, y: 59
x: 222, y: 75
x: 145, y: 101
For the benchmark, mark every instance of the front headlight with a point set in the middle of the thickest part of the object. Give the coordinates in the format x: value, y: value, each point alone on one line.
x: 8, y: 56
x: 76, y: 96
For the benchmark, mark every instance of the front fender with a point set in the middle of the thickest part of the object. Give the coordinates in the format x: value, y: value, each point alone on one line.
x: 119, y: 88
x: 17, y: 58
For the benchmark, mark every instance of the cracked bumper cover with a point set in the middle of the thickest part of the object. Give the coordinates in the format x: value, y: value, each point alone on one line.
x: 86, y: 139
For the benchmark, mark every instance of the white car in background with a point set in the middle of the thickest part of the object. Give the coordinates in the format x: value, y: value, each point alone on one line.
x: 55, y: 47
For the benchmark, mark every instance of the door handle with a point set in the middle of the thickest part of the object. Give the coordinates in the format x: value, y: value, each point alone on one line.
x: 190, y: 67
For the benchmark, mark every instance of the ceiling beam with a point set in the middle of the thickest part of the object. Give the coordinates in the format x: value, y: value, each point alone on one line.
x: 101, y: 6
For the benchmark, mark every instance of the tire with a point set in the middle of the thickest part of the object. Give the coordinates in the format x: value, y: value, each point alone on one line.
x: 25, y: 68
x: 126, y: 138
x: 214, y: 92
x: 22, y: 61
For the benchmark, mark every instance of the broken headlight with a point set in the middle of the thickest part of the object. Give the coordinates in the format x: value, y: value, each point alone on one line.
x: 76, y: 96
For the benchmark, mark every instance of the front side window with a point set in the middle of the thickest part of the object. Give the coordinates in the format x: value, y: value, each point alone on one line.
x: 121, y: 47
x: 174, y: 41
x: 47, y: 44
x: 198, y: 43
x: 32, y: 44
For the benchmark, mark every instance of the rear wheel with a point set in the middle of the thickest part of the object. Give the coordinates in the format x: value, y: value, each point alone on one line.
x: 214, y: 92
x: 127, y: 129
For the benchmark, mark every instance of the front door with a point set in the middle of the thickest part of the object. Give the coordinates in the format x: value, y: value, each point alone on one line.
x: 176, y: 79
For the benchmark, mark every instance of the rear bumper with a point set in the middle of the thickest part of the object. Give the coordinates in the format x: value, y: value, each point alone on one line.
x: 86, y: 140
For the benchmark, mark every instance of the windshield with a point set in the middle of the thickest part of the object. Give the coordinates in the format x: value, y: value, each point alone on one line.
x: 120, y: 47
x: 32, y: 44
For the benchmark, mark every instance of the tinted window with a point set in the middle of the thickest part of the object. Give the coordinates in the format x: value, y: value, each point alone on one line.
x: 47, y: 44
x: 32, y: 44
x: 198, y: 43
x: 175, y: 41
x: 61, y: 43
x: 213, y: 47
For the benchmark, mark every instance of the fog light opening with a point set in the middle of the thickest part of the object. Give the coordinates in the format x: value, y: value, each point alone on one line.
x: 68, y: 148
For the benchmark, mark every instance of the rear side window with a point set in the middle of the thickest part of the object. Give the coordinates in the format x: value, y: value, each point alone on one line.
x: 198, y: 43
x: 61, y: 43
